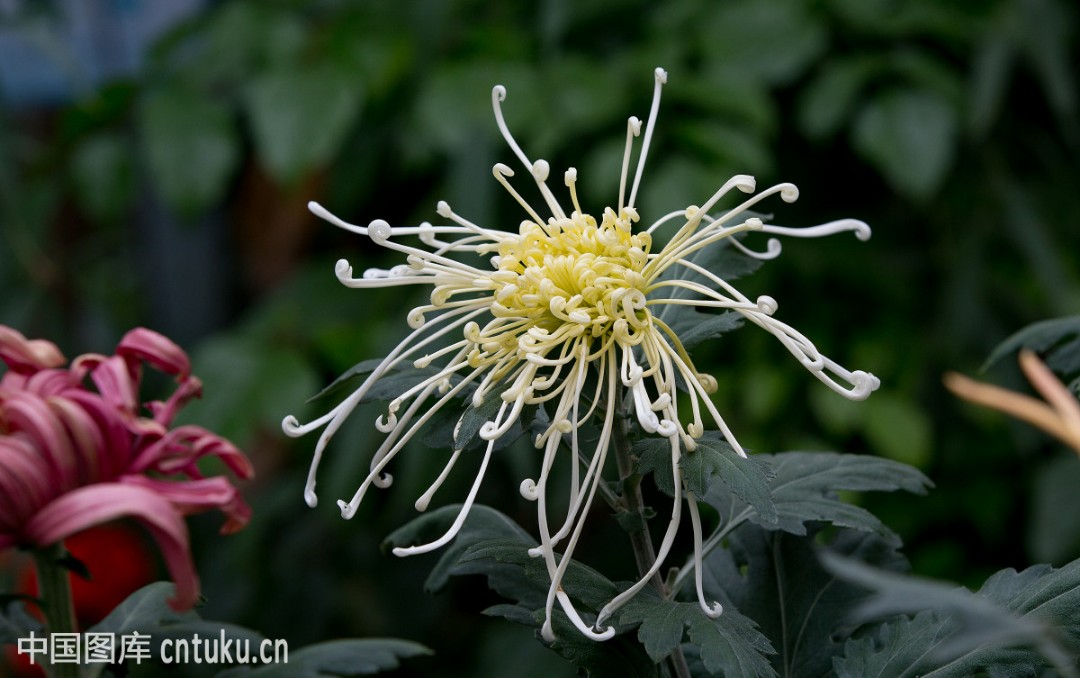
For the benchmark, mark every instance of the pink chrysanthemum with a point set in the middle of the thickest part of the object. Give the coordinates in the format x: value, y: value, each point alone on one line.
x: 78, y: 448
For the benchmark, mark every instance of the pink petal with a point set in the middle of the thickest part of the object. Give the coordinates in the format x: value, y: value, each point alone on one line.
x: 96, y: 504
x: 27, y: 355
x: 165, y: 412
x: 115, y: 454
x: 117, y: 386
x: 32, y: 416
x: 181, y: 447
x: 24, y: 485
x: 51, y: 382
x: 156, y: 349
x: 196, y: 496
x: 87, y: 438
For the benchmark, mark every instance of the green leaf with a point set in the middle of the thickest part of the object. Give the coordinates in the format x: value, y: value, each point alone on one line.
x: 529, y: 575
x: 729, y: 644
x: 300, y: 117
x: 619, y: 657
x: 714, y: 458
x: 15, y: 621
x: 192, y: 148
x: 483, y: 524
x: 474, y: 418
x: 774, y: 578
x: 895, y: 649
x: 806, y: 484
x: 390, y: 385
x: 145, y: 611
x: 910, y: 135
x: 695, y: 327
x: 352, y: 657
x: 1057, y: 340
x: 1035, y: 608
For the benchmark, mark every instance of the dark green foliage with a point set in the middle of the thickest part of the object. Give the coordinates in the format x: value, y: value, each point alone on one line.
x: 483, y: 524
x: 147, y: 612
x: 713, y: 460
x: 390, y: 385
x: 772, y: 577
x: 695, y: 327
x: 15, y: 621
x: 804, y: 488
x: 1017, y: 619
x: 899, y: 648
x: 620, y: 657
x: 1057, y: 341
x: 340, y: 658
x: 729, y: 644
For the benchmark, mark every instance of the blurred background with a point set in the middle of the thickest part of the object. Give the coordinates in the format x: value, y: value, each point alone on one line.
x: 156, y: 160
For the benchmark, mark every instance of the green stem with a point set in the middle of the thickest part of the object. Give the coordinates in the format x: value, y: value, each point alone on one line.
x: 54, y: 584
x: 640, y: 539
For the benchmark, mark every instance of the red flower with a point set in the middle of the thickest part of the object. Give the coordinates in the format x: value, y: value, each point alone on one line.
x: 78, y: 449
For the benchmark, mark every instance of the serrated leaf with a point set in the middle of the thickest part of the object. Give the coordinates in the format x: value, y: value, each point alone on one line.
x: 1034, y: 608
x: 580, y: 582
x: 192, y: 147
x: 805, y: 486
x: 619, y: 657
x: 747, y: 478
x: 714, y: 459
x: 300, y: 117
x: 352, y: 657
x: 910, y: 136
x: 773, y: 578
x: 728, y: 644
x: 483, y: 524
x: 895, y: 649
x: 654, y: 456
x: 732, y: 646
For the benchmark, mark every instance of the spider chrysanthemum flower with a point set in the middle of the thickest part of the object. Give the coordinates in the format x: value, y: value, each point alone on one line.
x: 566, y: 317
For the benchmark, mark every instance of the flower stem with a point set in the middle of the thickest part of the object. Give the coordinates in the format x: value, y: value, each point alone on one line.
x: 54, y: 583
x: 640, y: 539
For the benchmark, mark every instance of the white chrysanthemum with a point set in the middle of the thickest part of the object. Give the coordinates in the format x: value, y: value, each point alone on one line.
x: 566, y: 316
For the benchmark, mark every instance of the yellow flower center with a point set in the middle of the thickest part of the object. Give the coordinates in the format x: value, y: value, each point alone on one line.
x: 574, y: 271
